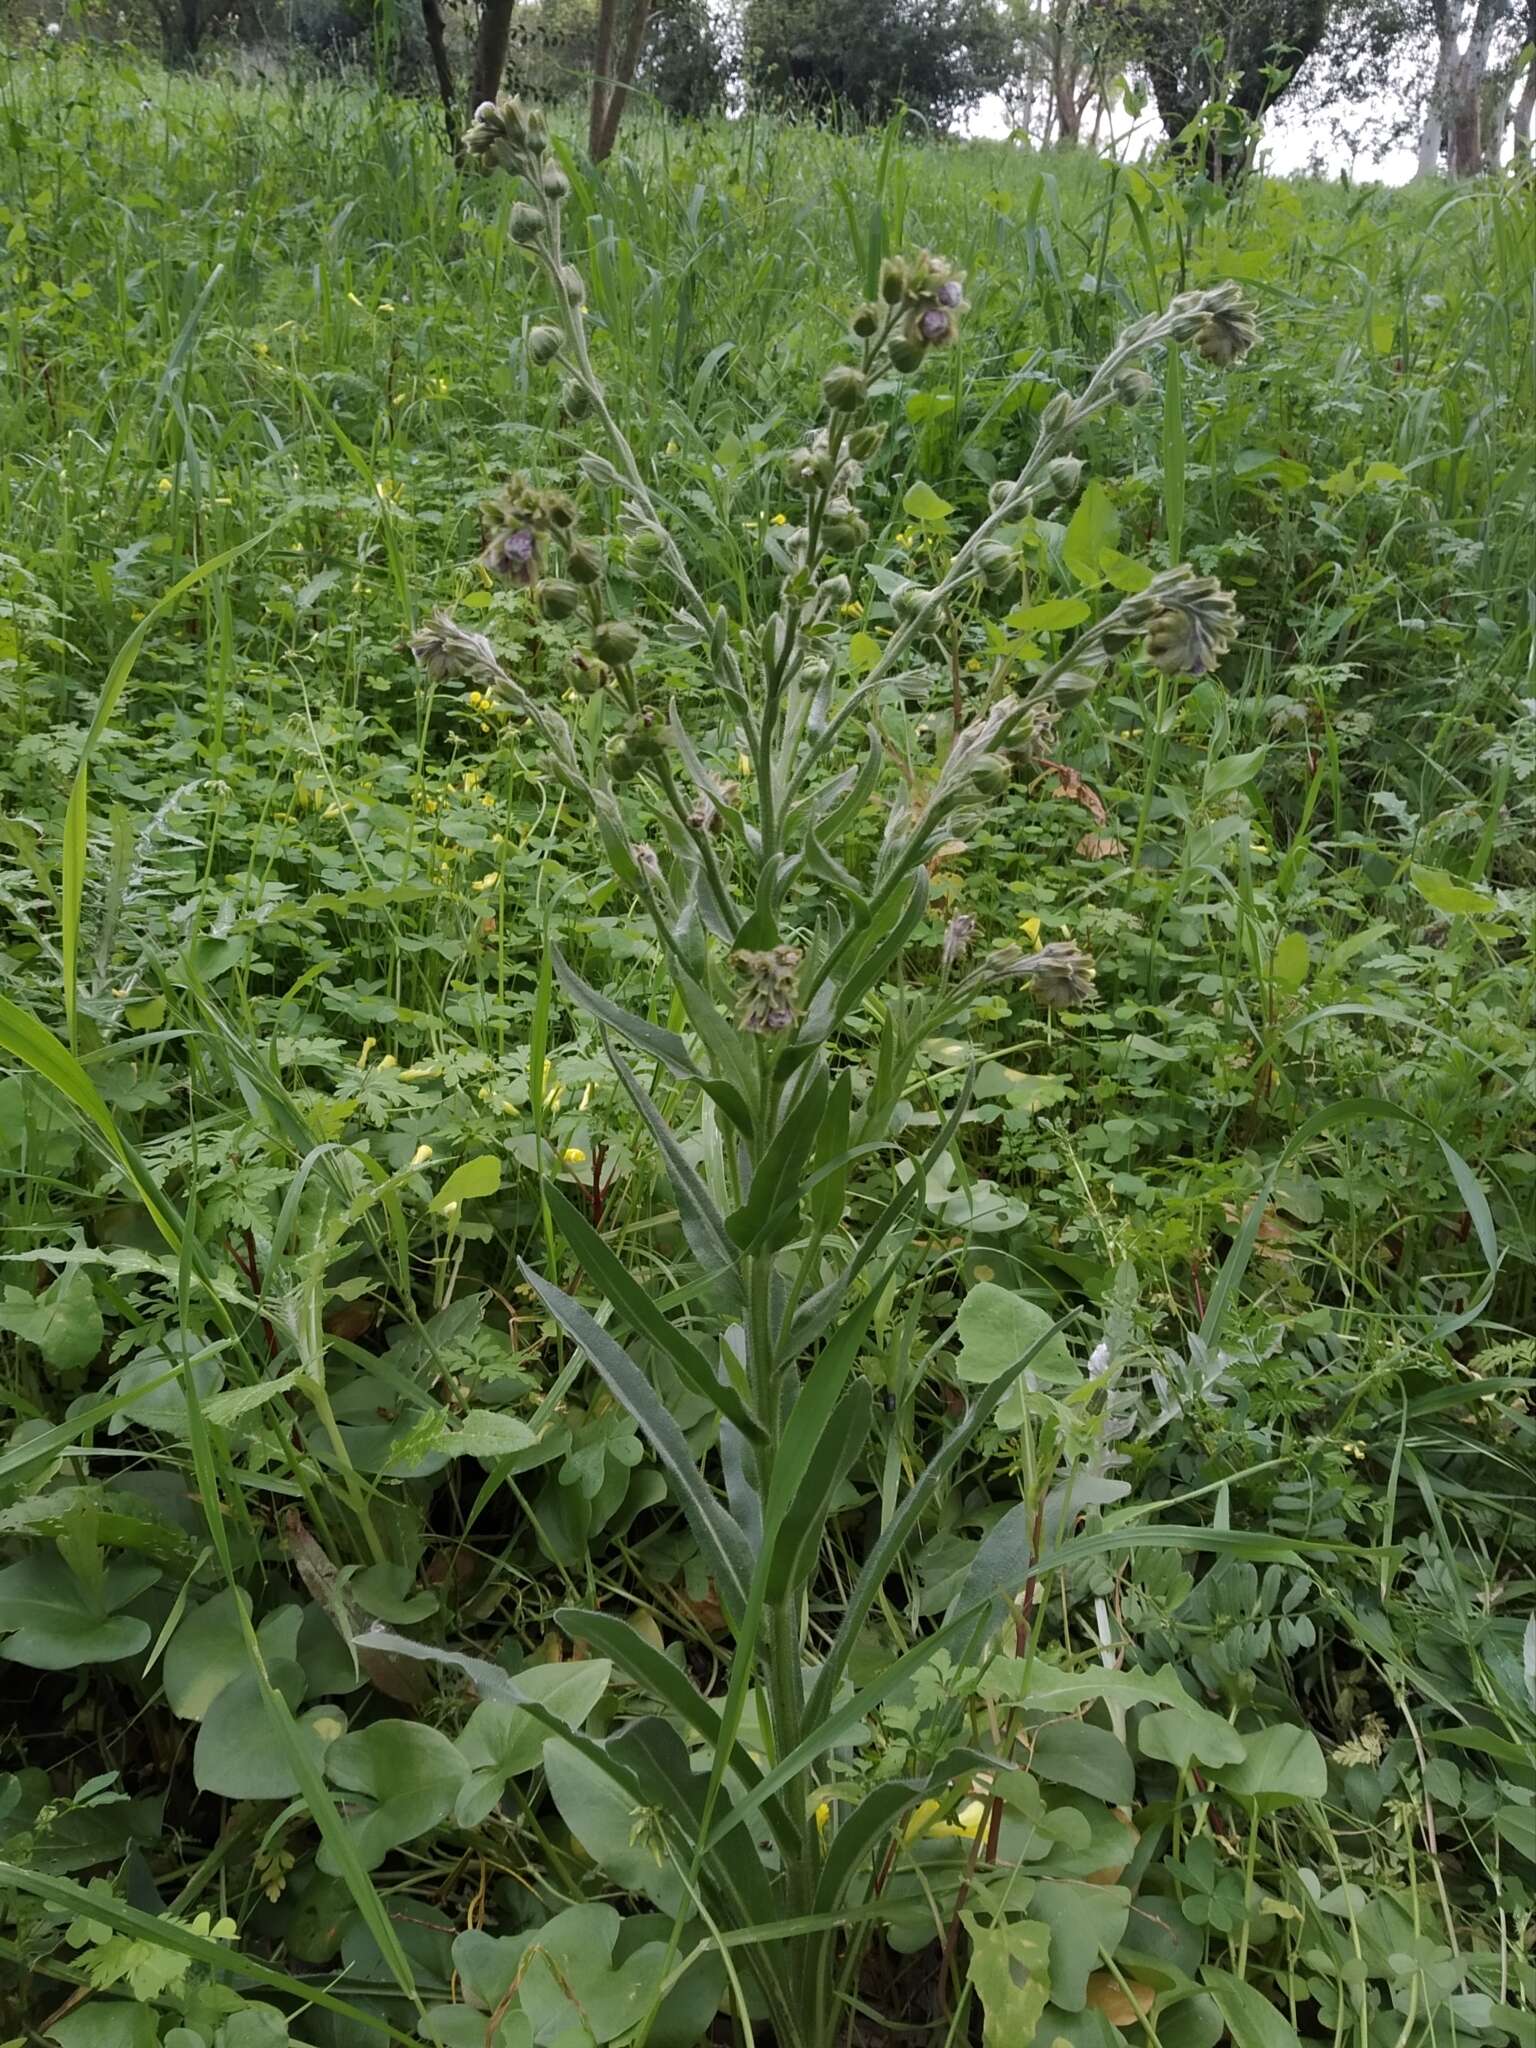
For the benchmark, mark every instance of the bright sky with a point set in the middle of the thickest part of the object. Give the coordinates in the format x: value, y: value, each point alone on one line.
x: 1292, y: 137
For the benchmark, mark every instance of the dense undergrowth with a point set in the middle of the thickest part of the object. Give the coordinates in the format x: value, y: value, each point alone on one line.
x: 266, y: 356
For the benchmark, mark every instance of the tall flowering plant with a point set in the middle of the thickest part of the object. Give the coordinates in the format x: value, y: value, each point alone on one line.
x: 777, y: 920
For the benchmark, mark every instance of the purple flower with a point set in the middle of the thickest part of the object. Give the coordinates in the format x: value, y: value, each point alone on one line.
x: 933, y: 324
x: 948, y: 294
x: 512, y: 555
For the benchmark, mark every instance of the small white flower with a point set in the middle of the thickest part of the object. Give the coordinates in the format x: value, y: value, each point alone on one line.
x: 55, y: 28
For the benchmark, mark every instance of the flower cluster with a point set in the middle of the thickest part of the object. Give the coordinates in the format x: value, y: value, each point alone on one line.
x: 770, y: 978
x: 520, y: 521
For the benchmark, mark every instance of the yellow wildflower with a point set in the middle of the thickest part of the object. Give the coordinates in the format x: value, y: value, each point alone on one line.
x: 573, y: 1156
x: 486, y: 882
x: 420, y: 1156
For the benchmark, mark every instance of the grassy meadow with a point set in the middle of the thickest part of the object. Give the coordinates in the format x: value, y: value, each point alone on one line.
x: 290, y: 1085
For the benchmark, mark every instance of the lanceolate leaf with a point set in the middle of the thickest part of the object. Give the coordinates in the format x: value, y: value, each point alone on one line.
x: 703, y: 1225
x: 609, y: 1273
x: 725, y: 1548
x: 653, y: 1039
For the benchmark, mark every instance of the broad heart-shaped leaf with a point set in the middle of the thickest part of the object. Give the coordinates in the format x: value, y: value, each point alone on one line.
x: 923, y: 502
x: 207, y: 1653
x: 63, y: 1321
x: 240, y: 1752
x: 1093, y: 527
x: 1085, y: 1920
x: 501, y: 1741
x: 604, y: 1820
x: 996, y: 1326
x: 1010, y: 1968
x: 410, y: 1777
x: 1186, y: 1735
x: 467, y: 1183
x: 106, y: 2023
x: 1444, y: 893
x: 574, y: 1981
x: 1072, y: 1752
x: 1251, y: 2020
x: 1282, y: 1766
x: 60, y: 1623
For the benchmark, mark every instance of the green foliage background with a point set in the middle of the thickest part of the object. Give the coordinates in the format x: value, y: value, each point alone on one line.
x: 265, y: 333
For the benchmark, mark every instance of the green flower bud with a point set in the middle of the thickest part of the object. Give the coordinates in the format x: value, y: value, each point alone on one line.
x: 909, y: 601
x: 998, y: 563
x: 1064, y: 475
x: 525, y: 224
x: 642, y: 550
x: 1056, y: 414
x: 1074, y: 688
x: 617, y: 642
x: 844, y: 388
x: 544, y: 344
x: 865, y: 442
x: 991, y: 775
x: 893, y: 280
x: 575, y: 399
x: 866, y: 320
x: 906, y: 354
x: 1133, y: 385
x: 623, y: 762
x: 583, y: 564
x: 844, y: 527
x: 571, y: 283
x: 556, y: 185
x: 555, y: 598
x: 647, y: 734
x: 535, y: 128
x: 585, y: 676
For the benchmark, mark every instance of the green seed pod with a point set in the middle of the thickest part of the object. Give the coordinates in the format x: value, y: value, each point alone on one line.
x: 585, y: 676
x: 647, y: 734
x: 906, y: 354
x: 844, y: 388
x: 999, y: 565
x: 1134, y: 385
x: 583, y: 564
x: 617, y: 642
x: 893, y: 280
x: 544, y: 344
x: 525, y: 224
x: 555, y: 598
x: 844, y: 527
x: 991, y: 775
x: 866, y: 320
x: 865, y: 442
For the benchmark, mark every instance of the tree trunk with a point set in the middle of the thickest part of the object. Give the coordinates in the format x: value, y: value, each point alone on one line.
x: 609, y: 92
x: 489, y: 62
x: 1455, y: 110
x: 437, y: 44
x: 1525, y: 109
